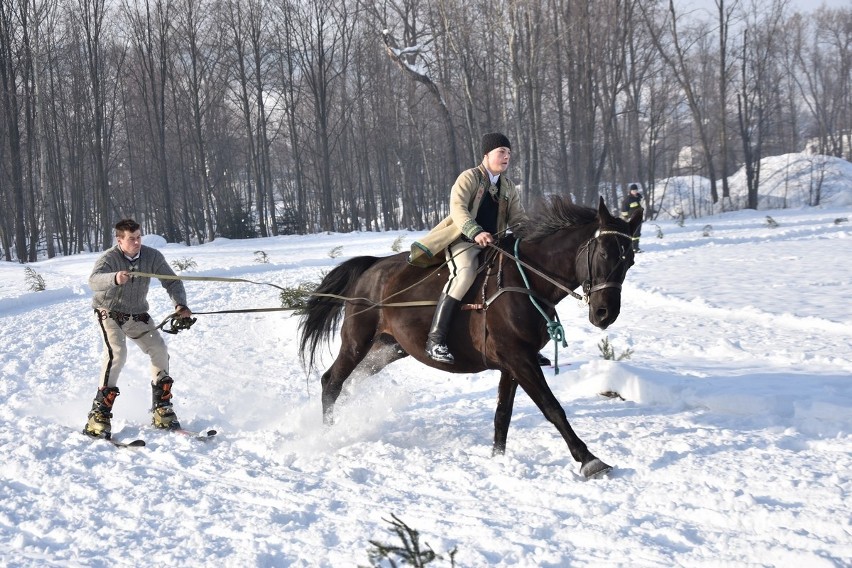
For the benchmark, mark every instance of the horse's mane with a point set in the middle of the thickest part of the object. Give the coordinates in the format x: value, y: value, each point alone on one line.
x: 553, y: 214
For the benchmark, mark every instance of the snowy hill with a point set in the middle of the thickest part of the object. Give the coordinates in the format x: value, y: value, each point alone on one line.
x: 787, y: 181
x: 732, y: 439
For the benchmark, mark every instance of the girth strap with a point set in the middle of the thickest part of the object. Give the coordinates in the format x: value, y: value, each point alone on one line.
x: 500, y: 292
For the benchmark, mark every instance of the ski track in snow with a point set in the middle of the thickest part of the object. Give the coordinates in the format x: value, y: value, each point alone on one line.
x: 731, y: 448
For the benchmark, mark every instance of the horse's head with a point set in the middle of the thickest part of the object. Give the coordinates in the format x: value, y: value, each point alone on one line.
x: 602, y: 263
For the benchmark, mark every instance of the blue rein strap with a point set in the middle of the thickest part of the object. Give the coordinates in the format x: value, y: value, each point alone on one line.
x: 554, y: 327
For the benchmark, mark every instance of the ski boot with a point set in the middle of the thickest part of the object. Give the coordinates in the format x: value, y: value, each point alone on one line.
x: 99, y: 425
x: 162, y: 413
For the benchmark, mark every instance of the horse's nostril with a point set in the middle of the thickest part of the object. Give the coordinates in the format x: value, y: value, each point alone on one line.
x: 601, y: 313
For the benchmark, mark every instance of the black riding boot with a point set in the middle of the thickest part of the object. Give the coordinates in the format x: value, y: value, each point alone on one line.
x: 436, y: 344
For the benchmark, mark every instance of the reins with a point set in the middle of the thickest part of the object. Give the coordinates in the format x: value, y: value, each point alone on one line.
x: 584, y: 299
x: 371, y: 304
x: 587, y: 287
x: 554, y: 326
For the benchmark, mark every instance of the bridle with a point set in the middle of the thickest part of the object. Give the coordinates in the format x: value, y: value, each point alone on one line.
x: 587, y: 286
x: 590, y: 244
x: 554, y: 327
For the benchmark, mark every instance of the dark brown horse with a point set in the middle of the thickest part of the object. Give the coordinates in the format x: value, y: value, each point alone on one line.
x: 566, y: 245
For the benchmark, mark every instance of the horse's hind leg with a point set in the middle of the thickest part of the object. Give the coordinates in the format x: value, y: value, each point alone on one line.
x: 356, y: 342
x: 330, y: 391
x: 385, y: 350
x: 503, y: 415
x: 333, y: 379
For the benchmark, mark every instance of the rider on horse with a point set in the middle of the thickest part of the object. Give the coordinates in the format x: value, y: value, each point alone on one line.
x: 483, y: 203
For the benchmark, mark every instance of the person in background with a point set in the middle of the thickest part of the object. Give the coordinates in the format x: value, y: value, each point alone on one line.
x: 120, y: 302
x: 630, y: 205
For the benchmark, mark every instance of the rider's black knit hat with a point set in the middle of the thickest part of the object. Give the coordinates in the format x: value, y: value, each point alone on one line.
x: 494, y: 140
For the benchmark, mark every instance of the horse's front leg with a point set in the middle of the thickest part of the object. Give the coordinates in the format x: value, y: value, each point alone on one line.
x: 531, y: 379
x: 503, y: 415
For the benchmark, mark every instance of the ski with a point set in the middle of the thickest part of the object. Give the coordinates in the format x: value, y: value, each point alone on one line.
x: 197, y: 435
x: 128, y: 443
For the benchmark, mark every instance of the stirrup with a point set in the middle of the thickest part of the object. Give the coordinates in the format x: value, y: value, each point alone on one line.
x: 440, y: 352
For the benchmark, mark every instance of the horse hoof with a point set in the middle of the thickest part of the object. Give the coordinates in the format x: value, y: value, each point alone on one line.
x: 595, y: 469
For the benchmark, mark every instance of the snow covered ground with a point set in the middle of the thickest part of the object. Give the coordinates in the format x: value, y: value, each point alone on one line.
x: 732, y: 446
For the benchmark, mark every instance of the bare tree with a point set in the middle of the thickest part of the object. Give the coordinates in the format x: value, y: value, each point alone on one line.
x: 611, y: 56
x: 103, y: 64
x: 10, y: 74
x: 825, y: 65
x: 323, y: 32
x: 526, y: 52
x: 151, y: 34
x: 239, y: 118
x: 297, y: 212
x: 725, y: 13
x: 198, y: 63
x: 756, y: 104
x: 251, y: 64
x: 581, y: 100
x: 410, y: 51
x: 34, y: 20
x: 675, y: 51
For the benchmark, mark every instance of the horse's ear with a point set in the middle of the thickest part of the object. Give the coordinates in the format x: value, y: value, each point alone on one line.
x: 604, y: 216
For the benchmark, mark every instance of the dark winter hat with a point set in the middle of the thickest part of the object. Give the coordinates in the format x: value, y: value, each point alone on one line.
x: 494, y: 140
x: 634, y: 186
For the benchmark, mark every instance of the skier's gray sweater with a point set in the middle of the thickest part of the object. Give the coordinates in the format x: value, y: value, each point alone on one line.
x: 132, y: 297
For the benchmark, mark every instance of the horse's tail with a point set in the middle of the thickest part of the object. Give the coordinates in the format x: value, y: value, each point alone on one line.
x: 322, y: 313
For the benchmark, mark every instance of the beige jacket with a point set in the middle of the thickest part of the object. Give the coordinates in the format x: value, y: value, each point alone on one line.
x: 465, y: 197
